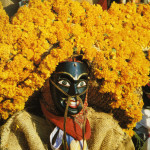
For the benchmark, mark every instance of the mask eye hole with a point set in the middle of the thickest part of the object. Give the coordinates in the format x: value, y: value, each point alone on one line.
x: 64, y: 83
x: 81, y: 84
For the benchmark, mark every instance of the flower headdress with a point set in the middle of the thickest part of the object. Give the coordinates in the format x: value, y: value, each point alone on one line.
x: 44, y: 33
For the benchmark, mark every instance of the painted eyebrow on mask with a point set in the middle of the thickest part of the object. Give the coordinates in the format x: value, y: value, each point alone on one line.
x: 64, y: 75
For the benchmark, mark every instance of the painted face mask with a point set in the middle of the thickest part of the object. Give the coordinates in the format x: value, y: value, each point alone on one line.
x: 69, y: 81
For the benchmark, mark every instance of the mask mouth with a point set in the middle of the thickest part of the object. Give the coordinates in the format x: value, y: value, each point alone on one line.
x: 73, y: 103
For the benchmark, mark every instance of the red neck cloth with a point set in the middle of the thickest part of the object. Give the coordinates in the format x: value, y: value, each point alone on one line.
x: 72, y: 128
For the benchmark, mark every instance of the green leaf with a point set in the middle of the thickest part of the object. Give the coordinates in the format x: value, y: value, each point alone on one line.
x: 100, y: 68
x: 146, y: 53
x: 105, y: 34
x: 139, y: 141
x: 68, y: 19
x: 113, y: 50
x: 119, y: 72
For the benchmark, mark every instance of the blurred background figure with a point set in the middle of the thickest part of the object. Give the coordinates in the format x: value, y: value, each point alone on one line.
x: 143, y: 127
x: 10, y: 6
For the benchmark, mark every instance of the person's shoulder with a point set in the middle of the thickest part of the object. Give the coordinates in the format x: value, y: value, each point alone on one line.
x: 9, y: 131
x: 103, y: 119
x: 23, y: 129
x: 106, y: 132
x: 21, y: 115
x: 24, y: 118
x: 16, y: 116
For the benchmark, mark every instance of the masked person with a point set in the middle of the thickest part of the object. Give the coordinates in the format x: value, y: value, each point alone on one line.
x: 66, y: 120
x: 63, y: 119
x: 68, y: 88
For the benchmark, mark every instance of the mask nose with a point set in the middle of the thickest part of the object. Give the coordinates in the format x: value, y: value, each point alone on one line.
x: 73, y: 90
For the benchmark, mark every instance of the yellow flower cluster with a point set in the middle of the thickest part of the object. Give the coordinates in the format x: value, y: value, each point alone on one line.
x: 47, y: 32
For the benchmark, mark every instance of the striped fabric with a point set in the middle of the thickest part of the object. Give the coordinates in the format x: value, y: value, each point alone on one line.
x: 71, y: 142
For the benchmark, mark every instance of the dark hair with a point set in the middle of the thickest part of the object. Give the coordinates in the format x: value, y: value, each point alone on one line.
x: 146, y: 100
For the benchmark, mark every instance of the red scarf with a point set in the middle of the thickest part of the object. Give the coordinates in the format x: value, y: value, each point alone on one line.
x: 72, y: 128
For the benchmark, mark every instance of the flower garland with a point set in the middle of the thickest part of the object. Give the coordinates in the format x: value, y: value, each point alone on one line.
x: 115, y: 41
